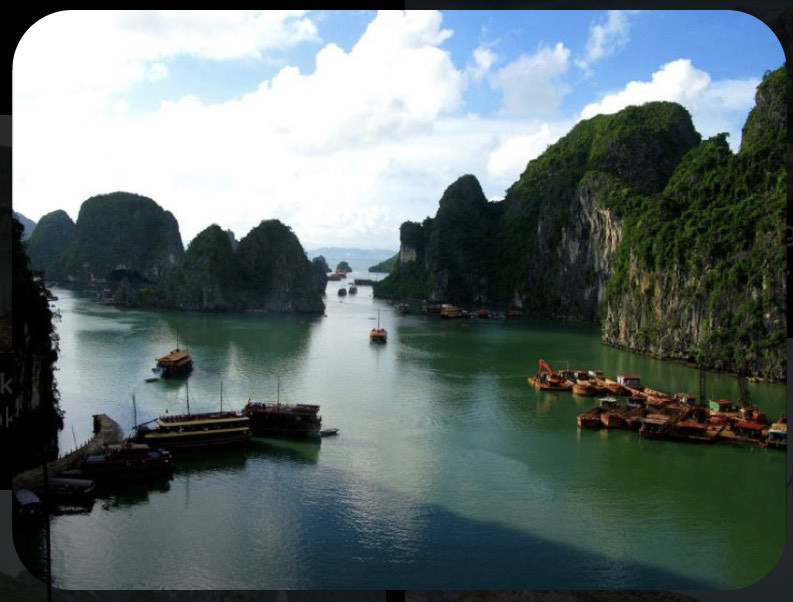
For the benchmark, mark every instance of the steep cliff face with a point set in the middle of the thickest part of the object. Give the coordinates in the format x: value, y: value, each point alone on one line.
x: 207, y: 277
x: 707, y: 283
x: 50, y: 239
x: 563, y: 218
x: 122, y: 231
x: 672, y: 243
x: 277, y: 274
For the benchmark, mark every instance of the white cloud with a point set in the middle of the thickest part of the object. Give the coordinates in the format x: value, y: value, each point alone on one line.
x: 482, y: 59
x: 714, y: 106
x: 508, y: 160
x: 606, y: 37
x: 533, y: 84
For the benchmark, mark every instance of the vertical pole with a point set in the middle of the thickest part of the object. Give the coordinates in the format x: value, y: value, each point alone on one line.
x: 48, y: 545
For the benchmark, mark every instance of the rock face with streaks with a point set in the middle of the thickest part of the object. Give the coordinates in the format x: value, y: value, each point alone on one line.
x: 671, y: 243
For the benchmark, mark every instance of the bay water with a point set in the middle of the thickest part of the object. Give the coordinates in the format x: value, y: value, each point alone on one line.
x: 449, y: 470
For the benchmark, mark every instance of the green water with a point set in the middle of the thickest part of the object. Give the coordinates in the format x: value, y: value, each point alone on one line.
x: 449, y: 470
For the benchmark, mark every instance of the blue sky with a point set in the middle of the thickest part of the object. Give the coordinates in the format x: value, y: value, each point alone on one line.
x: 344, y: 124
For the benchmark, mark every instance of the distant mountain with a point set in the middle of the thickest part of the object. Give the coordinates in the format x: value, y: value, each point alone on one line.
x: 29, y: 225
x: 359, y: 260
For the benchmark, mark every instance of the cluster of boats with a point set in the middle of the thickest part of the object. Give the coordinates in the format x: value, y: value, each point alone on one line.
x: 658, y: 415
x: 450, y: 311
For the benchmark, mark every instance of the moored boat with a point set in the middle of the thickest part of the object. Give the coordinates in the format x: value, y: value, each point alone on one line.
x: 695, y: 431
x: 125, y: 460
x: 548, y: 380
x: 300, y: 420
x: 777, y: 434
x: 191, y: 431
x: 593, y: 418
x: 449, y: 311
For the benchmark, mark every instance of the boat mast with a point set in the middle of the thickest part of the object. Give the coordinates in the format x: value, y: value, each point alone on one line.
x: 278, y: 394
x: 134, y: 412
x: 221, y: 396
x: 187, y: 390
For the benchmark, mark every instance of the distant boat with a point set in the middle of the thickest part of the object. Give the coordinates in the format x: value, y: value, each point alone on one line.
x: 353, y: 289
x: 178, y: 361
x: 342, y: 292
x: 378, y: 335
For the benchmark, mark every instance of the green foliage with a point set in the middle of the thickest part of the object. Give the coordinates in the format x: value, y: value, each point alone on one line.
x: 52, y: 236
x: 387, y: 266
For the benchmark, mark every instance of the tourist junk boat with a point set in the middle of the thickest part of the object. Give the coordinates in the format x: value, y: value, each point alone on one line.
x: 124, y: 460
x: 378, y: 335
x: 178, y: 361
x: 194, y: 431
x: 548, y: 380
x: 300, y: 420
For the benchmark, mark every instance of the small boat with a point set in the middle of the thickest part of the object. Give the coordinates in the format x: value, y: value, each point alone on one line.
x: 27, y: 505
x: 378, y: 335
x: 404, y: 308
x: 342, y: 292
x: 178, y: 361
x: 329, y: 432
x: 125, y: 460
x: 353, y: 289
x: 548, y: 380
x: 67, y: 489
x: 300, y: 420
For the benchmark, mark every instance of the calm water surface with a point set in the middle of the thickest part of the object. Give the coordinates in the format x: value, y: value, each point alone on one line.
x: 449, y: 471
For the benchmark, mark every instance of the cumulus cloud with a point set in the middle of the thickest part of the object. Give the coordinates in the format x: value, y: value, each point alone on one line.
x: 713, y: 105
x: 532, y: 84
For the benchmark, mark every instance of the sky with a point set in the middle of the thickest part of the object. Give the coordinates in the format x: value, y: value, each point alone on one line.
x: 345, y: 124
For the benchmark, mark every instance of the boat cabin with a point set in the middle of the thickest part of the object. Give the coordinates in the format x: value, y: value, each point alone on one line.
x: 750, y: 430
x: 631, y: 381
x: 720, y: 405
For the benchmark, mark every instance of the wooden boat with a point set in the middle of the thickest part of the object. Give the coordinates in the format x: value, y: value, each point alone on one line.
x: 194, y: 431
x: 353, y: 289
x: 656, y: 426
x: 125, y: 460
x: 743, y: 431
x: 190, y: 431
x: 450, y: 311
x: 178, y: 361
x: 777, y: 434
x: 67, y: 489
x: 613, y: 387
x: 329, y: 432
x: 299, y: 420
x: 404, y: 308
x: 617, y: 416
x: 342, y: 292
x: 27, y: 505
x: 548, y: 380
x: 694, y: 431
x: 592, y: 418
x: 378, y: 335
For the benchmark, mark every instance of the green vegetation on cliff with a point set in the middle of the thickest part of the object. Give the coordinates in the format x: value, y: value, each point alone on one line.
x: 206, y: 278
x: 674, y: 244
x: 126, y: 230
x: 50, y: 239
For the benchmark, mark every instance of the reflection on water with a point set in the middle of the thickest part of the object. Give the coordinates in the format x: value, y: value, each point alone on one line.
x: 449, y: 470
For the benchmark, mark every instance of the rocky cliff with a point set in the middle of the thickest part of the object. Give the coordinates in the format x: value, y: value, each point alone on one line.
x: 672, y: 243
x: 124, y: 231
x: 207, y: 276
x: 706, y: 283
x: 48, y: 242
x: 277, y: 274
